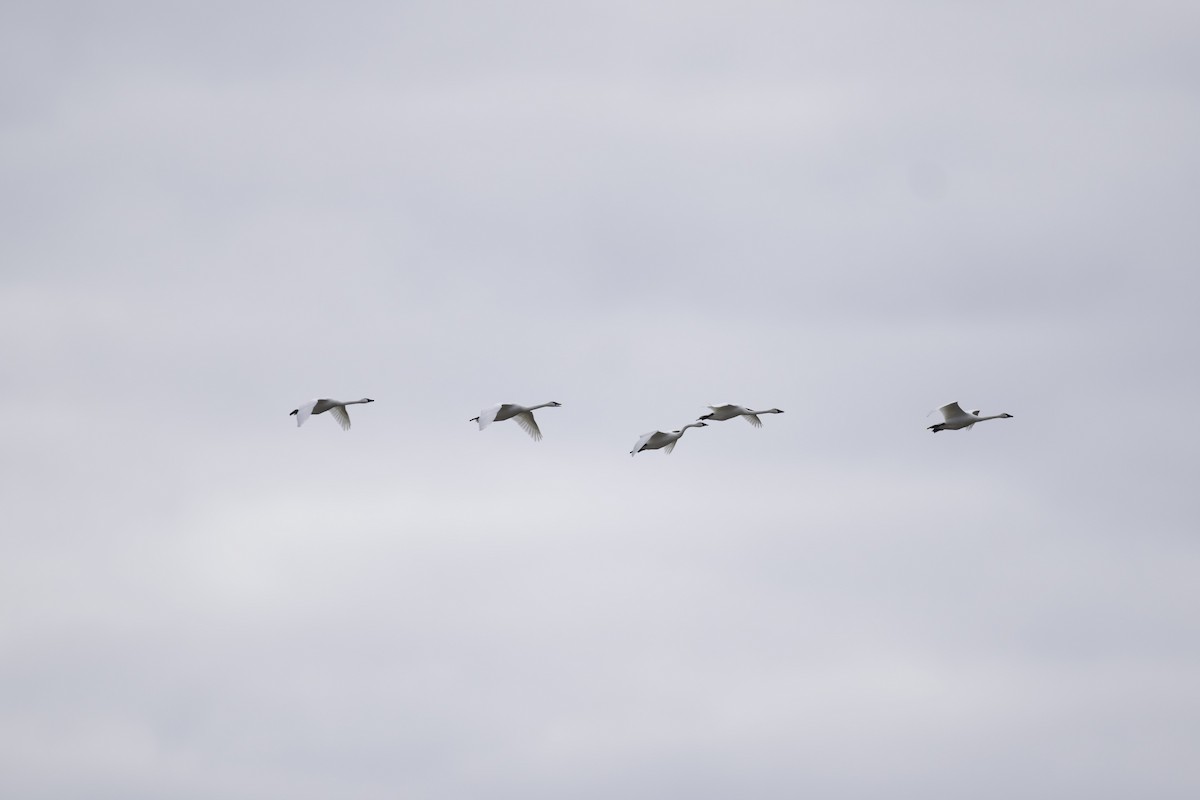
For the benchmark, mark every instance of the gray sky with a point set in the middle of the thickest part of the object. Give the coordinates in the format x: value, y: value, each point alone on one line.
x: 854, y: 212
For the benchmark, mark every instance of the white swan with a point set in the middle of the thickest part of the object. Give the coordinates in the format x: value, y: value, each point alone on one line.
x: 657, y: 440
x: 729, y: 411
x: 522, y: 414
x: 323, y: 404
x: 954, y: 418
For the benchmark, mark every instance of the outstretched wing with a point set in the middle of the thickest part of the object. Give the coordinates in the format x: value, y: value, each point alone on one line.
x: 725, y: 411
x: 488, y: 416
x: 304, y: 411
x: 642, y: 442
x: 669, y: 447
x: 952, y: 411
x: 753, y: 420
x: 342, y: 416
x: 529, y: 425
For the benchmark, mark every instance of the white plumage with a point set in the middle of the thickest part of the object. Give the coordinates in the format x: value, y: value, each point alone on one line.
x: 523, y: 415
x: 954, y: 418
x: 729, y: 411
x: 658, y: 440
x: 336, y: 408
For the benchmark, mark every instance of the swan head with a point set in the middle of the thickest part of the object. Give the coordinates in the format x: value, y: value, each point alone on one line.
x: 366, y: 400
x: 1006, y: 416
x: 553, y: 404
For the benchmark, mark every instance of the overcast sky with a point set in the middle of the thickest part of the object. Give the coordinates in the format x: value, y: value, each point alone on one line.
x: 855, y: 212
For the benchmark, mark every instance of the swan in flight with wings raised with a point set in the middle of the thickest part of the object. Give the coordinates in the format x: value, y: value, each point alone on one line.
x: 729, y: 411
x: 657, y: 440
x: 522, y: 414
x: 954, y: 418
x: 319, y: 406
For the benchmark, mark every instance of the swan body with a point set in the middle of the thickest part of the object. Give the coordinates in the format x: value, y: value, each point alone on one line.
x: 729, y: 411
x: 522, y: 414
x: 658, y: 440
x: 954, y: 418
x: 335, y: 407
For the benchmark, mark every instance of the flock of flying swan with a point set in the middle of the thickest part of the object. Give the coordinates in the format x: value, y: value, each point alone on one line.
x: 953, y: 419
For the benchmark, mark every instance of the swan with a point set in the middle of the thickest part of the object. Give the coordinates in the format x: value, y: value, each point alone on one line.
x: 729, y: 411
x: 656, y: 440
x: 954, y: 418
x: 323, y: 404
x: 522, y: 414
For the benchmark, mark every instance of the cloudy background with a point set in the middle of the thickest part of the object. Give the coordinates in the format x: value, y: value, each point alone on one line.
x: 210, y: 213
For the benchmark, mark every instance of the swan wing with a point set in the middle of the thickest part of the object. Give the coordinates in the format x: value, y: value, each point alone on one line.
x: 488, y: 416
x: 304, y: 412
x: 952, y: 411
x: 642, y: 442
x: 342, y: 416
x: 726, y: 411
x: 324, y: 404
x: 529, y: 425
x: 753, y: 420
x: 667, y: 448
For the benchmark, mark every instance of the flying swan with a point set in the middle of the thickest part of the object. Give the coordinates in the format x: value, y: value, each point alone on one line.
x: 321, y: 405
x: 522, y: 414
x: 954, y: 418
x: 729, y: 411
x: 656, y: 440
